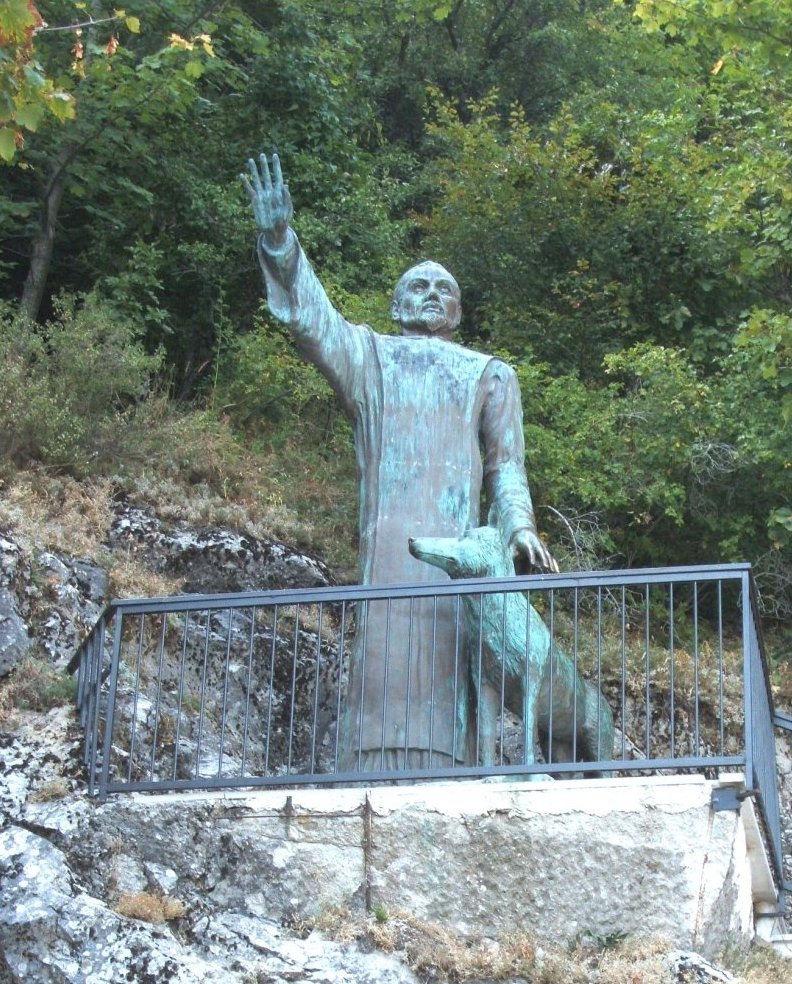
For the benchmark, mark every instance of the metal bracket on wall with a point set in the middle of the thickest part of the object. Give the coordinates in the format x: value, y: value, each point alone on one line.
x: 730, y: 797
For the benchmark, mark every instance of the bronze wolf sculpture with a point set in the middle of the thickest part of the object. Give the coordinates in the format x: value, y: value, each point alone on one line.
x: 518, y: 658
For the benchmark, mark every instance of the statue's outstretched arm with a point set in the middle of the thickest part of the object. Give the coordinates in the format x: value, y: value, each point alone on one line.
x: 340, y: 350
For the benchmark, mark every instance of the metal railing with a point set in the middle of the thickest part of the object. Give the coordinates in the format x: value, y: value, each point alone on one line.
x: 243, y: 690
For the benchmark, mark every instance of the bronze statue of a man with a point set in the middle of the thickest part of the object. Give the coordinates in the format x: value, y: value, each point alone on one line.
x: 433, y: 422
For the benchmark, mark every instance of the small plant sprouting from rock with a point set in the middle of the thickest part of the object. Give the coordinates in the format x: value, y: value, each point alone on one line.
x: 35, y: 685
x: 380, y: 912
x: 150, y: 908
x: 54, y: 789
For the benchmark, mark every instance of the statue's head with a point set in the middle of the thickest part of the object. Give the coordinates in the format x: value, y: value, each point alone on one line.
x: 427, y: 301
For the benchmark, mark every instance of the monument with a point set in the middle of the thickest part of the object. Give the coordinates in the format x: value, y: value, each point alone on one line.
x: 434, y: 424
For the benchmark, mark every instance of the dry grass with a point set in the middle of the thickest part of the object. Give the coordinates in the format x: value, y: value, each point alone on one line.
x: 762, y: 965
x: 45, y: 511
x: 34, y: 685
x: 54, y: 789
x: 150, y: 908
x: 440, y: 954
x: 58, y: 513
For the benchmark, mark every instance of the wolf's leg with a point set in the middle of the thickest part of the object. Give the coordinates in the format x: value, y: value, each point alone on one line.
x: 530, y: 729
x: 596, y: 734
x: 489, y: 707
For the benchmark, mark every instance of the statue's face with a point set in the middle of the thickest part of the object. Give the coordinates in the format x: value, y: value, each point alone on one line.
x: 427, y: 301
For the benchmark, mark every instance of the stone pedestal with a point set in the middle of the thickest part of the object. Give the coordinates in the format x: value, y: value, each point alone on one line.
x: 603, y: 857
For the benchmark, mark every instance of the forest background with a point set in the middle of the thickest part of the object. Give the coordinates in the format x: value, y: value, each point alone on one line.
x: 610, y: 182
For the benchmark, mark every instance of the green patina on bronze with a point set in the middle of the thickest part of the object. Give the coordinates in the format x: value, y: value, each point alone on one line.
x: 434, y: 424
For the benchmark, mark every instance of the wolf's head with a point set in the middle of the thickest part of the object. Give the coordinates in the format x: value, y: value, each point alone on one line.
x: 479, y: 552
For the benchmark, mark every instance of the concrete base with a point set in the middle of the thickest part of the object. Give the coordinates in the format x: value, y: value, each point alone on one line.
x: 635, y: 856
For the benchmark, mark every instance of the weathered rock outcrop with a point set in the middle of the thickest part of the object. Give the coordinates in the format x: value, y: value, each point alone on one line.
x: 213, y: 560
x: 49, y: 601
x: 15, y: 639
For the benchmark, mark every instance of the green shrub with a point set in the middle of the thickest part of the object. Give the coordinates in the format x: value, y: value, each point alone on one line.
x: 262, y: 381
x: 69, y: 385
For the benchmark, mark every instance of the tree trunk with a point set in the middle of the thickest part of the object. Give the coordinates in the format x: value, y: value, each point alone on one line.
x: 44, y: 239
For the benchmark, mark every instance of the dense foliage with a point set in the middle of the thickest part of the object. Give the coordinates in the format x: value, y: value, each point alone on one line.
x: 609, y: 181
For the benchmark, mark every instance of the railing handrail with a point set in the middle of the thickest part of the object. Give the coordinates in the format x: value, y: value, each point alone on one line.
x: 404, y: 589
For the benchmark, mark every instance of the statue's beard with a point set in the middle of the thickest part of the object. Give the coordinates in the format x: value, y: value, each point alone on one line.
x: 434, y: 322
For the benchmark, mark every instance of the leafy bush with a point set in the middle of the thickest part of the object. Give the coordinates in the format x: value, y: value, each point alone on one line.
x: 69, y: 385
x: 262, y: 380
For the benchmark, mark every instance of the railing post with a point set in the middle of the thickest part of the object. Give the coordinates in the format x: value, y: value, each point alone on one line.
x: 112, y: 684
x: 748, y: 702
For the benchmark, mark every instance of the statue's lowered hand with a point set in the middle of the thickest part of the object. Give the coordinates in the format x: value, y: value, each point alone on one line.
x: 269, y: 195
x: 529, y: 551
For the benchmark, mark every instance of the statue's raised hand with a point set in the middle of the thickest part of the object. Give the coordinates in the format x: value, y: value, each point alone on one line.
x: 269, y: 195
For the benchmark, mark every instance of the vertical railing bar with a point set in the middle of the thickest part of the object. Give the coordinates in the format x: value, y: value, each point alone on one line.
x: 600, y: 698
x: 408, y: 702
x: 95, y: 692
x: 133, y: 723
x: 203, y: 691
x: 551, y: 679
x: 87, y: 659
x: 160, y: 666
x: 671, y: 670
x: 293, y: 689
x: 115, y: 659
x: 271, y: 688
x: 480, y: 659
x: 362, y: 686
x: 92, y: 686
x: 501, y: 730
x: 696, y: 656
x: 721, y: 692
x: 317, y: 667
x: 748, y: 687
x: 432, y: 679
x: 83, y: 662
x: 624, y: 672
x: 648, y: 695
x: 529, y: 752
x: 341, y: 659
x: 385, y: 682
x: 454, y: 736
x: 248, y: 685
x: 224, y: 706
x: 575, y: 654
x: 180, y: 692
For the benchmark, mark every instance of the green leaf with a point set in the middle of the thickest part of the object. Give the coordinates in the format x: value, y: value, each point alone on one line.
x: 193, y: 69
x: 133, y: 24
x: 7, y: 143
x: 61, y: 105
x: 16, y: 18
x: 30, y: 115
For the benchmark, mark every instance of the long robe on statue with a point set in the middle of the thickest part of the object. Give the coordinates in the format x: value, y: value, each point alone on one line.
x: 432, y: 422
